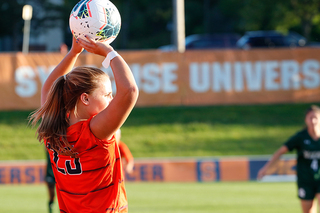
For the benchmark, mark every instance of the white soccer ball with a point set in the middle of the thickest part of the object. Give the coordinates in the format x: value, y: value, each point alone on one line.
x: 100, y: 19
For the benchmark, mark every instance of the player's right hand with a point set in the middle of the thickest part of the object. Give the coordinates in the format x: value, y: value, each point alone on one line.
x: 95, y: 47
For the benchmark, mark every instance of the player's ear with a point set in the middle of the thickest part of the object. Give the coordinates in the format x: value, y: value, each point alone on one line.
x: 84, y: 98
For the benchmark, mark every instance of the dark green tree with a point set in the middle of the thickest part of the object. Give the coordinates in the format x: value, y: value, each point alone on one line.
x: 45, y: 15
x: 147, y: 25
x: 303, y: 14
x: 11, y: 22
x: 283, y: 15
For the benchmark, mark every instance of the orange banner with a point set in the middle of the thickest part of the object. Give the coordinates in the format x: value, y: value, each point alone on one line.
x: 168, y: 170
x: 206, y: 77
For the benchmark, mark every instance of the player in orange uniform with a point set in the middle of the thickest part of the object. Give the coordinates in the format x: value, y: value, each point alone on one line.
x: 125, y: 153
x: 79, y: 117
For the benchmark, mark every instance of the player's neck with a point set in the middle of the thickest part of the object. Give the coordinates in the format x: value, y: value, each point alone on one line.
x: 314, y: 132
x: 75, y: 118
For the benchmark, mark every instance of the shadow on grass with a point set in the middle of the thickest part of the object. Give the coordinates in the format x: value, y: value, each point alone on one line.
x: 275, y: 114
x: 281, y: 114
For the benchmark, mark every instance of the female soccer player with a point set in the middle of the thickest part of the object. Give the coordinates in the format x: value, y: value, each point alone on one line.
x: 307, y: 144
x: 79, y: 117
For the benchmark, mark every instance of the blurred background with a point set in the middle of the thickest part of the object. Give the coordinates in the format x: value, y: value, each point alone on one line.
x: 225, y: 20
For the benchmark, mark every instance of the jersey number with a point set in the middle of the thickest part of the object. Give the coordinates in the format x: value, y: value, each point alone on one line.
x: 77, y: 170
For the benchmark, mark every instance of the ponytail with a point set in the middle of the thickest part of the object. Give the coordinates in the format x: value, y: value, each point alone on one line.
x: 63, y: 98
x: 54, y: 123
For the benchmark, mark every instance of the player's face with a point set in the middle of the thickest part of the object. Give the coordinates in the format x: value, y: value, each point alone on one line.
x: 312, y: 119
x: 101, y: 97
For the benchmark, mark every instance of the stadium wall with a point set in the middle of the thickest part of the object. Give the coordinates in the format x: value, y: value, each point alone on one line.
x: 168, y: 170
x: 207, y: 77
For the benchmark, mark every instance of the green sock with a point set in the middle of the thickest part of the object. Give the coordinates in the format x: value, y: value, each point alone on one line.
x: 50, y: 206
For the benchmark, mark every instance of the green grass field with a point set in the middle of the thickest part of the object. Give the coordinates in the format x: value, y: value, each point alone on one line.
x: 178, y: 131
x: 220, y: 197
x: 170, y: 132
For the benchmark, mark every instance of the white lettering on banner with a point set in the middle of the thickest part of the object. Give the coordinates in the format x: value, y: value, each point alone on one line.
x: 254, y: 76
x: 169, y: 77
x: 310, y: 70
x: 290, y: 75
x: 203, y: 77
x: 153, y: 78
x: 199, y: 79
x: 151, y: 74
x: 222, y: 77
x: 24, y: 77
x: 271, y: 75
x: 238, y: 77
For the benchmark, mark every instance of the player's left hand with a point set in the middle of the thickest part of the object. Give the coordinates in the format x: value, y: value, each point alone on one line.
x: 129, y: 167
x: 262, y: 172
x: 76, y: 47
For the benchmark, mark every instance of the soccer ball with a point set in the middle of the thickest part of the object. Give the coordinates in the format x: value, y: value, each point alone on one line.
x: 100, y: 19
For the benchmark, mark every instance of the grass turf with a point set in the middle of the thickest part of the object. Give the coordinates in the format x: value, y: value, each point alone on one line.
x: 178, y: 131
x: 218, y: 197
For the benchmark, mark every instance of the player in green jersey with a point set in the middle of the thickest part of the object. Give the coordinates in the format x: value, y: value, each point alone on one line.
x: 50, y: 182
x: 307, y: 144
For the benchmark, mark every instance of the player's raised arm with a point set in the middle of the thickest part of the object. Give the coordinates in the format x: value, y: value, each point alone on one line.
x: 105, y: 124
x: 276, y: 156
x: 61, y: 69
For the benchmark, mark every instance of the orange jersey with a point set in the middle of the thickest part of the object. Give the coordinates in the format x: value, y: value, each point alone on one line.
x: 125, y: 151
x: 94, y: 181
